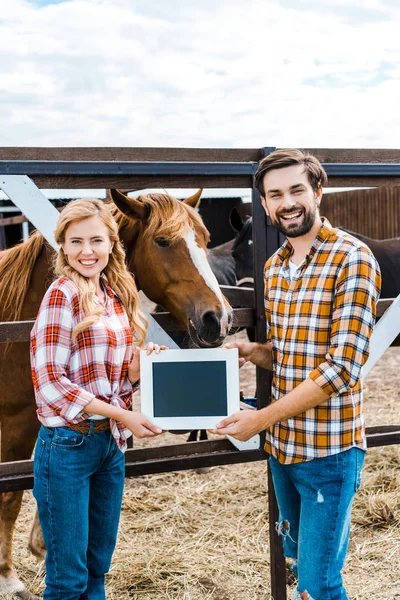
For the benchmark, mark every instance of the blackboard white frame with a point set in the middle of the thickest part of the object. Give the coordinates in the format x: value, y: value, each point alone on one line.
x: 229, y: 356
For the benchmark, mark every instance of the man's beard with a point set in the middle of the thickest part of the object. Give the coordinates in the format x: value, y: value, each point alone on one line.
x: 295, y: 230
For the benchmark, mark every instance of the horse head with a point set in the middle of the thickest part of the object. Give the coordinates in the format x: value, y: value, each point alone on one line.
x: 166, y: 246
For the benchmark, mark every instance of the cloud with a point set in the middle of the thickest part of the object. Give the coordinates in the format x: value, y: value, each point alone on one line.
x: 200, y: 73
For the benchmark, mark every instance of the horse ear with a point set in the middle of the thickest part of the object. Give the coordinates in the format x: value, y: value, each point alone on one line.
x: 236, y: 220
x: 194, y: 200
x: 131, y: 207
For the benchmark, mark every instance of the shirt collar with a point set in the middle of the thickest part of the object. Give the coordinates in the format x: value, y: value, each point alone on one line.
x: 109, y: 292
x: 286, y: 250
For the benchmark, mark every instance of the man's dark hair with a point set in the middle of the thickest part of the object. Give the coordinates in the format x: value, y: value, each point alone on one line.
x: 287, y: 158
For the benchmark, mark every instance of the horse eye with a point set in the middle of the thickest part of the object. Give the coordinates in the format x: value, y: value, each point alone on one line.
x: 162, y: 242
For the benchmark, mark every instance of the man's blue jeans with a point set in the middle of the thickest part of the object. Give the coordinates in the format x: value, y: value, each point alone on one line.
x: 79, y: 480
x: 315, y: 500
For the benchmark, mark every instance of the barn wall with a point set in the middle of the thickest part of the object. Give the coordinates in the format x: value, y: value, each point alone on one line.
x: 215, y: 214
x: 374, y: 213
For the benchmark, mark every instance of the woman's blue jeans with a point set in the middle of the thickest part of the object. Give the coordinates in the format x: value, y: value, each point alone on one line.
x: 315, y: 500
x: 79, y: 480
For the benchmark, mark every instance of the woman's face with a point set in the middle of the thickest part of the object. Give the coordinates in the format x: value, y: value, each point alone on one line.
x: 87, y: 247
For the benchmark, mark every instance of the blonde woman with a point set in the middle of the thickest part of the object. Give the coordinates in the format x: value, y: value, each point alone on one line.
x: 85, y: 364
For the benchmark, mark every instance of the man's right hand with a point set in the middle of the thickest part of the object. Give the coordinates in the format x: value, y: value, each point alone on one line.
x: 246, y: 350
x: 254, y: 352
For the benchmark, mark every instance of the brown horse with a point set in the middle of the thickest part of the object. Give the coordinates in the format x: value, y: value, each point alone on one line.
x: 165, y: 243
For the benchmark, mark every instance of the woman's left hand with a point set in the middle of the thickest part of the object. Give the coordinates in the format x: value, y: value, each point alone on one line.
x: 152, y: 347
x: 134, y: 366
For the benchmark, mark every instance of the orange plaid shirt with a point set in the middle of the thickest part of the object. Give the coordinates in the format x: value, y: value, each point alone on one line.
x: 319, y: 324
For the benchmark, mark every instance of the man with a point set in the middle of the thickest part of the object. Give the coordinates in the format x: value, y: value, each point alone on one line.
x: 321, y: 290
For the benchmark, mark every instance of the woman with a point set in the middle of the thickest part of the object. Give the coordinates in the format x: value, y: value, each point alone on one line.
x: 85, y: 356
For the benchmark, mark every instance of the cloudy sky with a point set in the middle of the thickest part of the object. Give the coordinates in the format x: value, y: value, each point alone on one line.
x: 226, y: 73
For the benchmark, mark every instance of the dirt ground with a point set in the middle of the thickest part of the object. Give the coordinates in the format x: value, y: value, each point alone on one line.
x: 192, y: 536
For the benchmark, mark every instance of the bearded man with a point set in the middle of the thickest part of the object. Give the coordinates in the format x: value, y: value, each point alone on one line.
x: 321, y: 291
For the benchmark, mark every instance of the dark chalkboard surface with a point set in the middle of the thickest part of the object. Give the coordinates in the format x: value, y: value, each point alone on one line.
x: 190, y: 389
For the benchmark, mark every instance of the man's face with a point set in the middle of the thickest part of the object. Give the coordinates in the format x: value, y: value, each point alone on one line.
x: 290, y: 201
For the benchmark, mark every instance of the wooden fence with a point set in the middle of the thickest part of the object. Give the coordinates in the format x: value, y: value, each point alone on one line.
x: 138, y: 168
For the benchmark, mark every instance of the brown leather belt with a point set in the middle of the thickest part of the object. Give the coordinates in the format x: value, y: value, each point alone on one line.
x: 84, y: 426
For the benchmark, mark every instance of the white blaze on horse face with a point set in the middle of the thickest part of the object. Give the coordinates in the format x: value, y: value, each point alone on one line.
x: 201, y: 263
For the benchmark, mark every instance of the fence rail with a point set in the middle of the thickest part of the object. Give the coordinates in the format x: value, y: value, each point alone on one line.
x: 245, y: 316
x: 18, y: 475
x: 138, y: 168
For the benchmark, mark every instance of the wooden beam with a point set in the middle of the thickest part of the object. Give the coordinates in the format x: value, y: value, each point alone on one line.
x: 144, y: 461
x: 12, y: 220
x: 243, y: 317
x: 351, y: 155
x: 140, y: 182
x: 132, y: 154
x: 18, y: 475
x: 239, y: 296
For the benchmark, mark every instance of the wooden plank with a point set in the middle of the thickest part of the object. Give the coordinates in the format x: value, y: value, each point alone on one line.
x: 165, y: 459
x: 154, y: 168
x: 136, y: 182
x: 189, y: 154
x: 12, y: 221
x: 362, y: 181
x: 239, y: 296
x: 16, y: 467
x: 277, y: 565
x: 390, y: 438
x: 18, y: 475
x: 20, y: 331
x: 140, y: 182
x: 355, y: 155
x: 131, y: 154
x: 383, y: 305
x: 243, y: 317
x: 179, y: 168
x: 196, y: 461
x: 382, y: 429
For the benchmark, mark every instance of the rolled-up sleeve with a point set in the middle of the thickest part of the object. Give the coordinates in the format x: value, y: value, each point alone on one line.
x: 356, y: 295
x: 51, y: 341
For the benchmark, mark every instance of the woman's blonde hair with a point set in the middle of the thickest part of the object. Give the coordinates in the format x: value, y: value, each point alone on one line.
x: 116, y: 272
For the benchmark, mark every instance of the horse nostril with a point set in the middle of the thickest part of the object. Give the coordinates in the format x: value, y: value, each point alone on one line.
x: 210, y: 324
x: 210, y: 321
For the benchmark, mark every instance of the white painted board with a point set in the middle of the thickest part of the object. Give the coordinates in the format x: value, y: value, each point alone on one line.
x: 384, y: 333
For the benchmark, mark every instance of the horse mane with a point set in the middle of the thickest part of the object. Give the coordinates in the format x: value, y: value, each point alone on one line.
x: 168, y: 217
x: 246, y: 231
x: 16, y: 266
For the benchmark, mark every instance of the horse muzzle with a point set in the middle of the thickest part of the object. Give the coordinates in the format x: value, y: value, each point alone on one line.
x: 209, y: 330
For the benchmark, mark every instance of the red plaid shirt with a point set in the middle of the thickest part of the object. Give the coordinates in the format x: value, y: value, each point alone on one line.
x: 68, y: 375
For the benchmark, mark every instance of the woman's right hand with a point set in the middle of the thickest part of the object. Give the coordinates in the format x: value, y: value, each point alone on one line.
x: 139, y: 425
